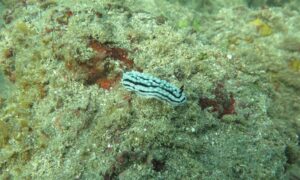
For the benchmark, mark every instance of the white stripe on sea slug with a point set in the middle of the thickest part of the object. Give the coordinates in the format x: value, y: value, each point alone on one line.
x: 150, y: 86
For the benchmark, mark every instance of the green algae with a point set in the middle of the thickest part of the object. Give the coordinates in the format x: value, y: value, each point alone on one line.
x: 57, y: 127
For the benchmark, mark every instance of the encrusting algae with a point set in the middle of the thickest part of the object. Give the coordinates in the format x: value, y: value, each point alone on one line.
x: 262, y: 28
x: 61, y: 101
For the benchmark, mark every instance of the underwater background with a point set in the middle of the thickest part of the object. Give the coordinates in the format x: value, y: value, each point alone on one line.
x: 65, y: 115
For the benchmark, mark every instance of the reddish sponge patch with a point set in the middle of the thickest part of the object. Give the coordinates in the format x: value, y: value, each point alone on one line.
x: 108, y: 83
x: 222, y: 104
x: 121, y: 55
x: 99, y: 69
x: 104, y: 51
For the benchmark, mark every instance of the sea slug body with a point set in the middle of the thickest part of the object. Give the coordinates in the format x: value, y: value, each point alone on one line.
x: 149, y: 86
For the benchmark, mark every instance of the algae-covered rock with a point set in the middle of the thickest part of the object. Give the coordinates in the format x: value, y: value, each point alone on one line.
x: 70, y: 118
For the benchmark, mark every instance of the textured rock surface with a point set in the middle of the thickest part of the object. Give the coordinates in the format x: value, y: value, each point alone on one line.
x: 68, y: 118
